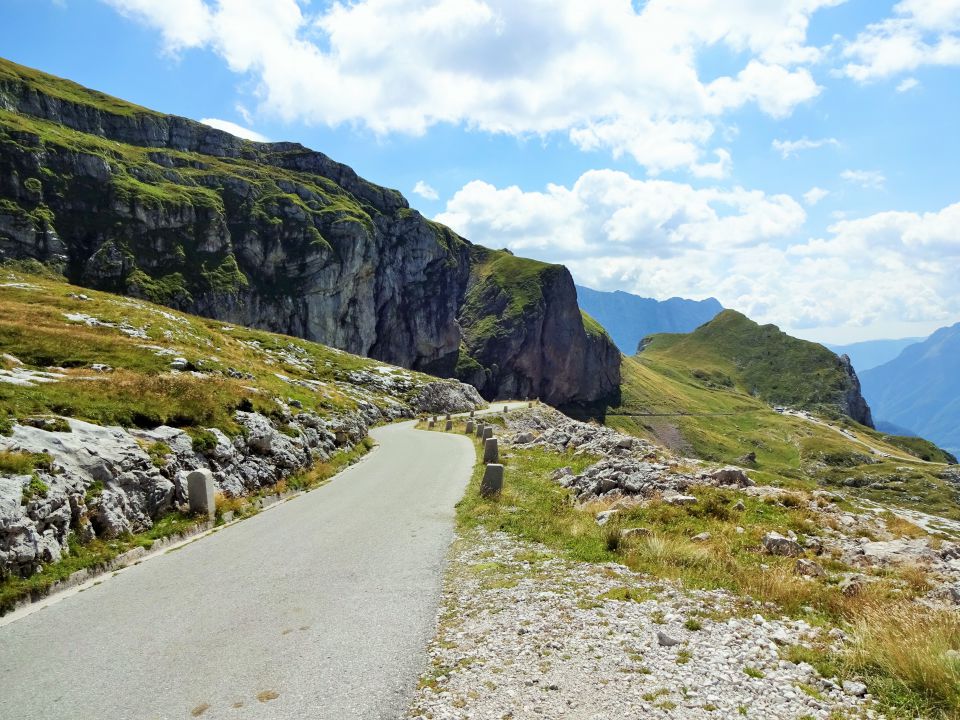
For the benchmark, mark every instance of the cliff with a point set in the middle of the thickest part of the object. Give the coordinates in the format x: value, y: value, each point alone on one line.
x: 279, y: 237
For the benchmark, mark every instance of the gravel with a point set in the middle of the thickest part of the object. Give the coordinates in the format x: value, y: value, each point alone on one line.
x: 524, y: 633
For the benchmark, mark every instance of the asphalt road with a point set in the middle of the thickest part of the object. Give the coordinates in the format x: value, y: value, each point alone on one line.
x: 321, y: 607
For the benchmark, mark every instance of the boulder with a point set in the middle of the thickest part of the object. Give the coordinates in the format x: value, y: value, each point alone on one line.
x: 680, y: 500
x: 729, y: 476
x: 808, y: 568
x: 777, y: 544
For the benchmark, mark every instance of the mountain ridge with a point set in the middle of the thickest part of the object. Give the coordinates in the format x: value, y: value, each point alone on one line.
x: 629, y: 318
x: 920, y: 390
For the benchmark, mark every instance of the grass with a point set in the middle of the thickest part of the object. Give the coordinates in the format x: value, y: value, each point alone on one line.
x: 140, y: 391
x: 15, y: 462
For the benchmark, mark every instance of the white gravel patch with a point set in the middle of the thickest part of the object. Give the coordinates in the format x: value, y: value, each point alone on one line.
x: 523, y: 633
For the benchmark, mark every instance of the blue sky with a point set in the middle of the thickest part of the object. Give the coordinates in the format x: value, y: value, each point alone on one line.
x: 797, y: 159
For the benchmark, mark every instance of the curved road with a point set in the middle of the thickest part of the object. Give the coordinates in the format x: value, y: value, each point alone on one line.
x: 321, y: 607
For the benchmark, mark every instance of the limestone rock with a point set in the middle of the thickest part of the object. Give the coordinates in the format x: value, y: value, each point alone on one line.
x: 777, y: 544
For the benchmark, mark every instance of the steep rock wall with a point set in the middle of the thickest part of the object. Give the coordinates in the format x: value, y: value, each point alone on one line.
x: 274, y: 236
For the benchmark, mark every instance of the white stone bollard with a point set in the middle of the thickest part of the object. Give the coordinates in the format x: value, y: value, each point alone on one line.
x: 492, y: 482
x: 200, y: 492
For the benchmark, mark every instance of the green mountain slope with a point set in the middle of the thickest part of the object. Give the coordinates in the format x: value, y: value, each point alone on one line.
x: 760, y: 360
x: 274, y: 236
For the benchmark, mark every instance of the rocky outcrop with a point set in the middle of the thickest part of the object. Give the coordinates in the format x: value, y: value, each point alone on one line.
x: 853, y: 403
x: 279, y: 237
x: 107, y: 481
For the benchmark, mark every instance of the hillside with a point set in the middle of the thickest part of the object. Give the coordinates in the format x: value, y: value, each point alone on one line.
x: 872, y: 353
x: 762, y: 361
x: 710, y: 395
x: 279, y: 237
x: 920, y: 388
x: 630, y: 318
x: 107, y: 403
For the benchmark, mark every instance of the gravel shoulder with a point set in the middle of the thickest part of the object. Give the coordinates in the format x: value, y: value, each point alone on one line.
x: 525, y: 633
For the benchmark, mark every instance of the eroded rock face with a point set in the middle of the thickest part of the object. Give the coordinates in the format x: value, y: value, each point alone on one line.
x: 853, y: 403
x: 103, y: 481
x: 280, y: 238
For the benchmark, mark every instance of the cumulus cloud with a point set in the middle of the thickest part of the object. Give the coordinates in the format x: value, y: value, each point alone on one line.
x: 792, y: 148
x: 814, y: 195
x: 869, y: 179
x: 919, y: 33
x: 610, y: 212
x: 747, y: 248
x: 425, y: 191
x: 615, y: 75
x: 234, y: 129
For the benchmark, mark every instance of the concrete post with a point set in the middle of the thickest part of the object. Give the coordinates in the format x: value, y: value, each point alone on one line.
x: 530, y: 404
x: 492, y: 482
x: 491, y: 453
x: 200, y: 490
x: 470, y: 427
x: 506, y: 409
x: 487, y: 432
x: 448, y: 416
x: 449, y: 425
x: 480, y: 427
x: 471, y: 413
x: 430, y: 425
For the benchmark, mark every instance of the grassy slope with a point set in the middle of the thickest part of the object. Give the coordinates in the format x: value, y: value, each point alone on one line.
x: 140, y: 391
x: 663, y: 400
x: 757, y: 359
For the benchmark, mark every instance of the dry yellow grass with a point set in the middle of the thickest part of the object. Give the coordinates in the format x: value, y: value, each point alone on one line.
x: 919, y: 648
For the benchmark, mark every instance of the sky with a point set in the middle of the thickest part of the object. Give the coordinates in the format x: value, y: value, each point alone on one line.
x: 798, y: 160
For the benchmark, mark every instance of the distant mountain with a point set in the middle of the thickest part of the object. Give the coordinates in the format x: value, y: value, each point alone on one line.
x: 873, y: 353
x: 920, y: 388
x: 630, y: 318
x: 732, y: 351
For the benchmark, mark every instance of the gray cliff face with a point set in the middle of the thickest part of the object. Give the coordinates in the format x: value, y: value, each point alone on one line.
x: 853, y: 403
x: 270, y: 235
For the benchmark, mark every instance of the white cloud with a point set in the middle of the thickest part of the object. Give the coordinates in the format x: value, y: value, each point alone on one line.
x: 870, y: 179
x: 919, y: 33
x: 814, y: 195
x: 616, y: 76
x: 907, y: 85
x: 234, y: 129
x: 792, y: 148
x: 608, y: 211
x: 425, y: 191
x: 661, y: 239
